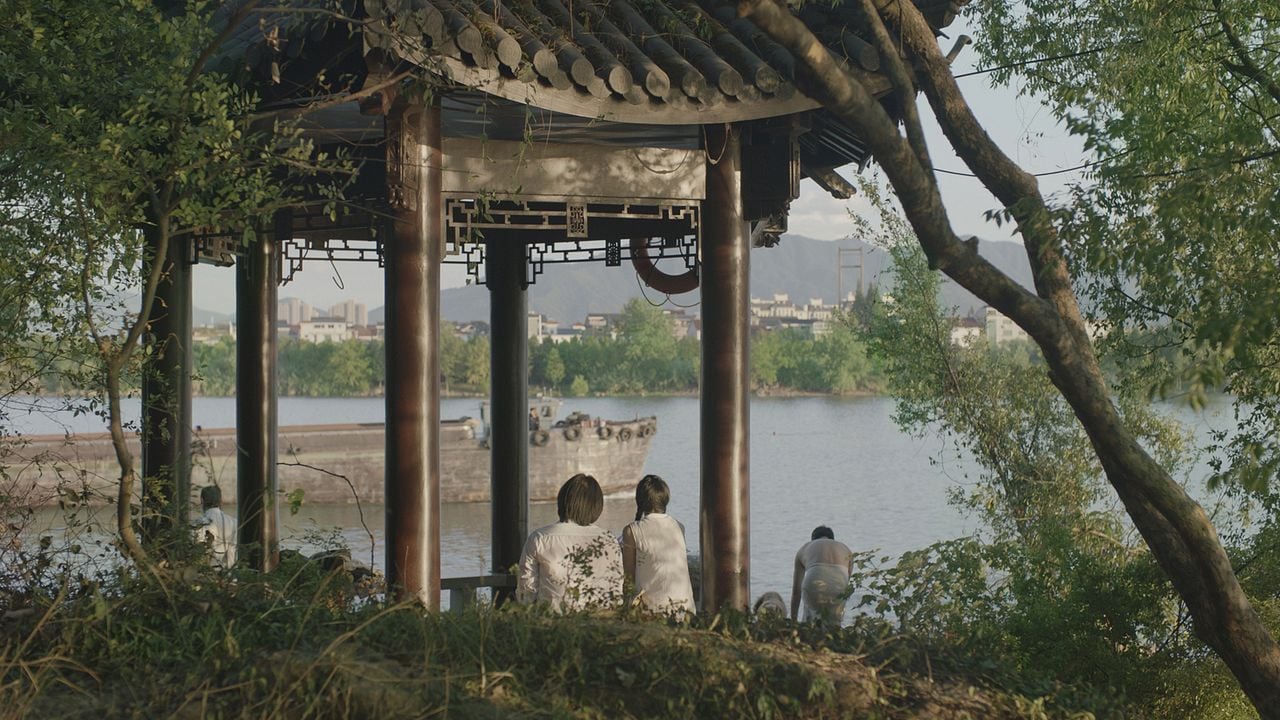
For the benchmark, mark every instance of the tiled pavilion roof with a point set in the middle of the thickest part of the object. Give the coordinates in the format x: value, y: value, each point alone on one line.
x: 653, y: 61
x: 638, y: 63
x: 645, y: 61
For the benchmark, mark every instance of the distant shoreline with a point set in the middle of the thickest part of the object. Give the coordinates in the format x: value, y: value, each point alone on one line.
x: 764, y: 392
x: 772, y: 392
x: 455, y: 395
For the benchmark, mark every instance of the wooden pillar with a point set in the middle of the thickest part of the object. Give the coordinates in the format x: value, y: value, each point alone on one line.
x: 725, y: 430
x: 412, y: 256
x: 505, y: 267
x: 166, y: 395
x: 257, y: 504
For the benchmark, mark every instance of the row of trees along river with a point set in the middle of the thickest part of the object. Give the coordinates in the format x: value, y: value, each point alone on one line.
x: 643, y: 357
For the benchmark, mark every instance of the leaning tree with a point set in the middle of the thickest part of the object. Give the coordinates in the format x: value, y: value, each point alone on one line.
x: 1177, y: 529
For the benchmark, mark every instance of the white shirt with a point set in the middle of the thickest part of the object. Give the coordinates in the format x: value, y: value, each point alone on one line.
x: 662, y: 564
x: 570, y: 566
x: 218, y: 530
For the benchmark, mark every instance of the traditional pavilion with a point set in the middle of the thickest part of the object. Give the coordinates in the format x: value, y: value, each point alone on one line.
x: 547, y: 131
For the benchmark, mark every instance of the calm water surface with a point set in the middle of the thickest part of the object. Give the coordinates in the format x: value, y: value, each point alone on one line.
x: 835, y: 461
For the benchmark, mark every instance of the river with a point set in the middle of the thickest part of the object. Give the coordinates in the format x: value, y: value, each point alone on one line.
x: 840, y: 462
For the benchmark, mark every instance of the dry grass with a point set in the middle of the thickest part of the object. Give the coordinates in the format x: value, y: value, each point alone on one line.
x: 289, y: 646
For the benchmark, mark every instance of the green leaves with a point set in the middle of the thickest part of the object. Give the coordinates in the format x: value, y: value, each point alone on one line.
x: 1176, y: 228
x: 295, y: 498
x: 118, y: 142
x: 1054, y: 587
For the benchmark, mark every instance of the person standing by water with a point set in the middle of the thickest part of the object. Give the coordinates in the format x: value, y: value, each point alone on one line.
x: 654, y: 555
x: 572, y: 564
x: 215, y: 528
x: 821, y: 578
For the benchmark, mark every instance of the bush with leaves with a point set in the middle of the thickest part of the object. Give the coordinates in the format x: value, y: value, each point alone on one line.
x: 121, y: 142
x: 1055, y: 595
x: 1175, y: 230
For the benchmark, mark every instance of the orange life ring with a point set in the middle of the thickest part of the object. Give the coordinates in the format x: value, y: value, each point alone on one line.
x: 655, y: 278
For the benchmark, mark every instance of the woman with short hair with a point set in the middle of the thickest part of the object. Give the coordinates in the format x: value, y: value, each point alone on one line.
x: 654, y: 555
x: 572, y: 564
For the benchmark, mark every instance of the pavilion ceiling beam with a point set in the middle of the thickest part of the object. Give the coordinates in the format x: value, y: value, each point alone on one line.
x: 831, y: 181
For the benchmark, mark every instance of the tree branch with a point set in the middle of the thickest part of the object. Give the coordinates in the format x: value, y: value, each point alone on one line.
x: 1247, y: 67
x: 232, y: 24
x: 1016, y: 189
x: 1177, y: 529
x: 903, y: 85
x: 825, y: 80
x: 356, y: 496
x: 363, y: 92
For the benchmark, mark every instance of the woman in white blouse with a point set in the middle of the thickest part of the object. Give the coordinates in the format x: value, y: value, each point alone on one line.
x: 572, y: 564
x: 654, y: 556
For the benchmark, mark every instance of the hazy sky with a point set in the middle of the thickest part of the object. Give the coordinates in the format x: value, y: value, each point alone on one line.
x: 1022, y: 127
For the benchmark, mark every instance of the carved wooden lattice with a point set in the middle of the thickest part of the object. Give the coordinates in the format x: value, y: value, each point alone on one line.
x: 546, y: 228
x: 577, y: 221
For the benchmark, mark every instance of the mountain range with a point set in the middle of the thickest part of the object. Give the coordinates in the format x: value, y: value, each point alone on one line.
x: 801, y: 267
x: 798, y: 266
x: 210, y: 318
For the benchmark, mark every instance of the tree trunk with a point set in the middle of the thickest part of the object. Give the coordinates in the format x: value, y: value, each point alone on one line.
x: 1179, y: 533
x: 115, y: 359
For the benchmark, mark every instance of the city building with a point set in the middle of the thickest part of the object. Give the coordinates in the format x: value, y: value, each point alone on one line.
x: 966, y: 331
x: 211, y: 334
x: 1001, y: 329
x: 779, y: 313
x: 683, y: 325
x: 324, y: 329
x: 564, y: 334
x: 603, y: 323
x: 355, y: 313
x: 468, y: 330
x: 293, y: 311
x: 367, y: 333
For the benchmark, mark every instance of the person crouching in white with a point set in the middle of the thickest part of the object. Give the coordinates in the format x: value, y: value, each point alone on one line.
x: 572, y: 564
x: 822, y: 578
x: 216, y: 529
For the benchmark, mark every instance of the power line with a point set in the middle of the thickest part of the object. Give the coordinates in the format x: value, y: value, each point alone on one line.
x: 1039, y: 174
x: 1037, y: 61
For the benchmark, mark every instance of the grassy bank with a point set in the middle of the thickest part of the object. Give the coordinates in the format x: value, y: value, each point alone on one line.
x: 291, y: 646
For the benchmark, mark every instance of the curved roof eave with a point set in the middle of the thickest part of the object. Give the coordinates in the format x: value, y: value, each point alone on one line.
x: 676, y: 111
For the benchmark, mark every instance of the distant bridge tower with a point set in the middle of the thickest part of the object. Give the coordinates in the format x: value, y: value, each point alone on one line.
x: 844, y: 261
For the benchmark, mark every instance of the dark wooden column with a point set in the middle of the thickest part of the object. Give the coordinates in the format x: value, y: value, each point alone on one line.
x: 166, y: 395
x: 412, y: 255
x: 508, y: 398
x: 725, y: 500
x: 258, y: 513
